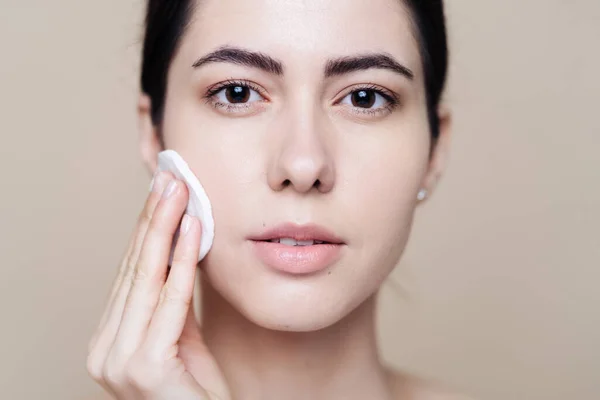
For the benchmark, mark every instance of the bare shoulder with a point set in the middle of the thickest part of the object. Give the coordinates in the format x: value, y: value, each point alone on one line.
x: 411, y: 387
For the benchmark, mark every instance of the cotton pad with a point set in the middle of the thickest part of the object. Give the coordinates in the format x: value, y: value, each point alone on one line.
x: 198, y: 205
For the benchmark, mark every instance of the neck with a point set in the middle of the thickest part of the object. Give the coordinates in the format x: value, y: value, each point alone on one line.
x: 337, y: 362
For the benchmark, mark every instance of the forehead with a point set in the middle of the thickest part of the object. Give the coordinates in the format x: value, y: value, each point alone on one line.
x: 302, y: 32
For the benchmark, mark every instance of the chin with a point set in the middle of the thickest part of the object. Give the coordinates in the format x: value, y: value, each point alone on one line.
x: 294, y: 303
x: 289, y: 304
x: 280, y: 315
x: 287, y: 323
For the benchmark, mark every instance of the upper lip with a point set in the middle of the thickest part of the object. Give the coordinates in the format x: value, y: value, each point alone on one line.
x: 298, y: 232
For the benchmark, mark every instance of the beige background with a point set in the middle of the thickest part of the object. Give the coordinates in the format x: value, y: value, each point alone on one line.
x: 498, y: 288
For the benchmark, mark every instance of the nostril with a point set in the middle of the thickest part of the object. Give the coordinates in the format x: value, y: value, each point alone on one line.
x: 317, y: 183
x: 286, y: 183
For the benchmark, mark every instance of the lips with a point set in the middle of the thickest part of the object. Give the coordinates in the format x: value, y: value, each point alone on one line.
x: 298, y: 250
x: 294, y: 242
x: 303, y: 234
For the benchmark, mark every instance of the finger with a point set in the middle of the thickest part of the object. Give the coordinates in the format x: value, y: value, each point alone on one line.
x: 160, y: 182
x: 191, y: 329
x: 103, y: 338
x: 175, y: 303
x: 150, y: 271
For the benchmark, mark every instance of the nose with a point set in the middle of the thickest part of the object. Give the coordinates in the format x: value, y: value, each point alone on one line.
x: 302, y: 160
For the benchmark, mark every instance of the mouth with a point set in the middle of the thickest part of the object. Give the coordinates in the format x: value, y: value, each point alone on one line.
x: 294, y: 242
x: 296, y: 249
x: 298, y: 235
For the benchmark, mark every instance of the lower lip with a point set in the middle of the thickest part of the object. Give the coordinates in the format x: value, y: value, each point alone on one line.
x: 297, y: 259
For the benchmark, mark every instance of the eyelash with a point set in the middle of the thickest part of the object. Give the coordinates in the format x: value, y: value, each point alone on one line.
x: 215, y: 89
x: 212, y: 91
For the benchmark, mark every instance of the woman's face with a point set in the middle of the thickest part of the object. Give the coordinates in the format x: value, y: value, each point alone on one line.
x: 310, y: 141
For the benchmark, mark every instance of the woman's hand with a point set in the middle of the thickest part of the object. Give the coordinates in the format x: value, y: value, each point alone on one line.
x: 148, y: 345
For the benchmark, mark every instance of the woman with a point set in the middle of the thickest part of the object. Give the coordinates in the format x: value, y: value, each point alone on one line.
x: 316, y: 129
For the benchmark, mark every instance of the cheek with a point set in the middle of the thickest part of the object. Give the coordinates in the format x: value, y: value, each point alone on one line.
x: 382, y: 182
x: 227, y: 160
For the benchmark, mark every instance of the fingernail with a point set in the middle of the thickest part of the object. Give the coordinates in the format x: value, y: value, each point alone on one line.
x: 159, y: 182
x: 186, y: 224
x: 170, y: 189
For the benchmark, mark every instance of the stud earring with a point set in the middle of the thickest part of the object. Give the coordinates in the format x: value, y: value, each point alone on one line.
x: 422, y: 194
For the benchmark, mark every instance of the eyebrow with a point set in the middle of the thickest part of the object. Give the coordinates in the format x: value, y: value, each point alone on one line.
x: 333, y: 67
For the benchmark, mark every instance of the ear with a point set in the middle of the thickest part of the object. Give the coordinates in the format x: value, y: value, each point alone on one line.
x: 149, y: 135
x: 439, y: 154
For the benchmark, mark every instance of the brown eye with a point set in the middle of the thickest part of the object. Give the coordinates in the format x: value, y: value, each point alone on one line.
x: 237, y: 94
x: 363, y: 98
x: 370, y: 100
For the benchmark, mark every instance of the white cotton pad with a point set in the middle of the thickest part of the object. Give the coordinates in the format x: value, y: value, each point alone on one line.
x: 198, y: 205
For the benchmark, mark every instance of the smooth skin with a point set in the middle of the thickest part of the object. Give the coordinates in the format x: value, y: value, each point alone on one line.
x: 148, y: 344
x: 265, y: 335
